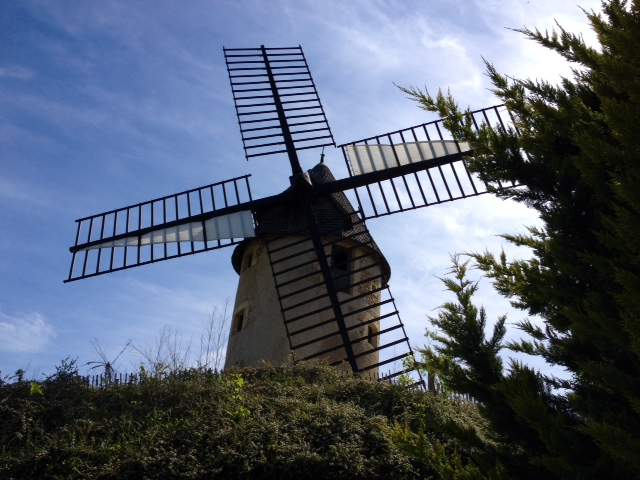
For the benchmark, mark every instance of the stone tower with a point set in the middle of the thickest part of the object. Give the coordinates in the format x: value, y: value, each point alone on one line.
x: 279, y: 273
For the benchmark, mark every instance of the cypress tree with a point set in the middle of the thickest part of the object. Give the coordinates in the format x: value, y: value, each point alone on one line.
x: 574, y: 149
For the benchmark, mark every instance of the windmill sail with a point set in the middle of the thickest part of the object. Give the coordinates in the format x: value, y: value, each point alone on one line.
x: 278, y: 106
x: 233, y: 225
x: 414, y: 167
x: 375, y: 333
x: 373, y: 158
x: 198, y: 220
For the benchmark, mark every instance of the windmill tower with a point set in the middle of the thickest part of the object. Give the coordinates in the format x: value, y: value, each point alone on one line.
x: 313, y: 283
x: 282, y: 256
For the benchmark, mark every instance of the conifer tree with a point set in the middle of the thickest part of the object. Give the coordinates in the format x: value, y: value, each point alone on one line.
x: 574, y: 149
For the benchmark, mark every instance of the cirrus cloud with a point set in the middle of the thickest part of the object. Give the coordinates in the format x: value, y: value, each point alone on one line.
x: 16, y: 72
x: 24, y: 333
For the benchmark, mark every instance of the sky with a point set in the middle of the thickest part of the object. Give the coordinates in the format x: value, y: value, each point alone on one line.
x: 107, y: 104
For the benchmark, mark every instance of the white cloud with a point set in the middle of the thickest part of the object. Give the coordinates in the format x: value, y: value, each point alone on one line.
x: 16, y: 72
x: 24, y: 333
x: 14, y: 190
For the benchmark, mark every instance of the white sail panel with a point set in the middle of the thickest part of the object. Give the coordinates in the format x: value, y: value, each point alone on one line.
x: 372, y: 158
x: 234, y: 225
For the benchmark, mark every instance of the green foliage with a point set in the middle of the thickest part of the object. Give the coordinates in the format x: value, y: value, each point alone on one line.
x: 270, y: 422
x: 66, y: 372
x: 575, y: 150
x: 36, y: 389
x: 470, y: 363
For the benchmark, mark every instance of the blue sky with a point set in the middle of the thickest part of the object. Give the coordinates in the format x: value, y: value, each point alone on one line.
x: 107, y: 104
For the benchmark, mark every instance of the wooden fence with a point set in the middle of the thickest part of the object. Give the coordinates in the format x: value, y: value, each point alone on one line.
x: 115, y: 379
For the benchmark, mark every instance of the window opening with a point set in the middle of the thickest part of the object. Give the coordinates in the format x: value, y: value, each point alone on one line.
x: 248, y: 261
x: 340, y: 268
x: 372, y: 337
x: 239, y: 322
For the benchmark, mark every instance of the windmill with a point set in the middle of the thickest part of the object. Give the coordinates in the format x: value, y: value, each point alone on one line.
x: 313, y: 282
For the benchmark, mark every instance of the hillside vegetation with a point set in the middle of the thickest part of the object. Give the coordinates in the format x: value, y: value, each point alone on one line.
x: 271, y: 422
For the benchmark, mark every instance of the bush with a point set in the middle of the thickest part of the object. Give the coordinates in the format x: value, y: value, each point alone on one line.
x: 270, y: 422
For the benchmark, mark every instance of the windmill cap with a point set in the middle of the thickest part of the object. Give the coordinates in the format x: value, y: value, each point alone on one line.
x: 334, y: 213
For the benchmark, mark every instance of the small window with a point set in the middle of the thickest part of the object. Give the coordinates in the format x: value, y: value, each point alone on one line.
x: 340, y: 268
x: 238, y: 321
x: 372, y: 336
x: 248, y: 261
